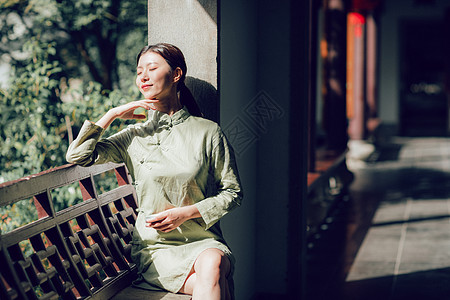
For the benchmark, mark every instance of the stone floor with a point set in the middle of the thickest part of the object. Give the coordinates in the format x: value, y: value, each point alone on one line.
x: 389, y: 236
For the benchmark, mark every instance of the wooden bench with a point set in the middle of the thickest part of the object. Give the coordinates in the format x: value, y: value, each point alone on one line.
x: 77, y: 252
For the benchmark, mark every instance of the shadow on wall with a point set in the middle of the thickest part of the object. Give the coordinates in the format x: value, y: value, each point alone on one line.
x: 206, y: 96
x: 210, y: 8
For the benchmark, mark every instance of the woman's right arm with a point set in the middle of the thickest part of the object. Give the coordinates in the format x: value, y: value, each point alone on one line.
x: 87, y: 149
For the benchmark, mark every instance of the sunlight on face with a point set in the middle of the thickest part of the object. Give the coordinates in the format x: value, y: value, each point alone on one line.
x: 154, y: 76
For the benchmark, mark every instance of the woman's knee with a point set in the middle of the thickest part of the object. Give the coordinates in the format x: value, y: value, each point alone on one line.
x: 213, y: 264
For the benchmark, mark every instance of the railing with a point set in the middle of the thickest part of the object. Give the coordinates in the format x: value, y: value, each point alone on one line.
x: 79, y: 252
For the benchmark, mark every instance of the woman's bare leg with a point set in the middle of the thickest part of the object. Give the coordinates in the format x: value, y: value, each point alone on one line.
x: 188, y: 286
x: 209, y: 277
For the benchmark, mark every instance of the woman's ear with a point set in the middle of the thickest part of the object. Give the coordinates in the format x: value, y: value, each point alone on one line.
x: 177, y: 74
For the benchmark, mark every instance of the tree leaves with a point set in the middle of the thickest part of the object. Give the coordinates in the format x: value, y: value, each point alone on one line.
x: 91, y: 37
x: 33, y: 130
x: 51, y: 89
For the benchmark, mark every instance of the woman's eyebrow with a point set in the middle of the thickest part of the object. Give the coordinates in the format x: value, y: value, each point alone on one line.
x: 148, y: 64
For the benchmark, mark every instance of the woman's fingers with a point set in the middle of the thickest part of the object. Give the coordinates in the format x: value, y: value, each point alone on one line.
x: 139, y: 117
x: 126, y: 111
x: 155, y: 220
x: 161, y: 226
x: 160, y: 222
x: 135, y: 105
x: 146, y: 103
x: 167, y: 220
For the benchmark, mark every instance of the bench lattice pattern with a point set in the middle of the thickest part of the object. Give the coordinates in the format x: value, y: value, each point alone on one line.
x: 80, y: 252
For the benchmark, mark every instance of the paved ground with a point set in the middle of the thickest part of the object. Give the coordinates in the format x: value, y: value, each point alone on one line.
x: 390, y: 236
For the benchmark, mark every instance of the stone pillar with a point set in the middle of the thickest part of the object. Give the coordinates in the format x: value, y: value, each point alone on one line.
x: 282, y: 74
x: 312, y: 73
x: 356, y: 109
x: 334, y: 109
x: 372, y: 121
x: 191, y: 26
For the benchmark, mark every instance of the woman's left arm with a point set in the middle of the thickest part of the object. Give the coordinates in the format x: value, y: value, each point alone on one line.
x: 229, y: 191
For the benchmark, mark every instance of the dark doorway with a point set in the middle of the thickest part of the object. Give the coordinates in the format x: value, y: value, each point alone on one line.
x: 423, y: 101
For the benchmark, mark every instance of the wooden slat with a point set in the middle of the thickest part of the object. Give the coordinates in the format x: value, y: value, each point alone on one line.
x: 27, y: 187
x: 117, y: 193
x: 38, y: 226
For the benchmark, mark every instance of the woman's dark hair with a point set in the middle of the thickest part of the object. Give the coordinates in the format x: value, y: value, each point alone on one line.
x: 175, y: 58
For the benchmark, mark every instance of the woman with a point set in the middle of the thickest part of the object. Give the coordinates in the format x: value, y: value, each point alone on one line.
x: 185, y: 175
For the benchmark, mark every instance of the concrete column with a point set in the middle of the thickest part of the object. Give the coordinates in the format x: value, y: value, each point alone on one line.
x: 313, y: 73
x: 334, y: 110
x: 283, y: 45
x: 191, y: 25
x: 372, y: 121
x: 355, y: 77
x: 264, y: 105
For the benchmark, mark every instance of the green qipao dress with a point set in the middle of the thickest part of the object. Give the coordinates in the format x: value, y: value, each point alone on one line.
x: 174, y: 161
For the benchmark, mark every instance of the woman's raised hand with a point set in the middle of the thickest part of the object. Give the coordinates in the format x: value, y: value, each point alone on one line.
x: 126, y: 111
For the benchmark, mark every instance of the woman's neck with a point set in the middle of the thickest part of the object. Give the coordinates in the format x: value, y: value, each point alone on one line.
x: 169, y: 105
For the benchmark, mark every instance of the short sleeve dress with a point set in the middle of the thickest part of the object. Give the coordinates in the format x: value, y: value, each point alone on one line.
x: 174, y: 161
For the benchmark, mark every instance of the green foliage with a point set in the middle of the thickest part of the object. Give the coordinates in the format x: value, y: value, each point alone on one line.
x: 33, y: 124
x: 30, y: 131
x: 33, y: 132
x: 16, y: 215
x: 90, y: 102
x: 48, y: 43
x: 94, y: 39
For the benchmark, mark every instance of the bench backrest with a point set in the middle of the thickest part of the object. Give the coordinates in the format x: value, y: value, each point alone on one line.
x: 79, y: 252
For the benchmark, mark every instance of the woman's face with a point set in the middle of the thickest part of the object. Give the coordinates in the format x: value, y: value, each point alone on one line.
x: 155, y: 78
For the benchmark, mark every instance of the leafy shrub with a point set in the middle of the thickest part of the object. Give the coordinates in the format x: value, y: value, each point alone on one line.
x: 34, y: 122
